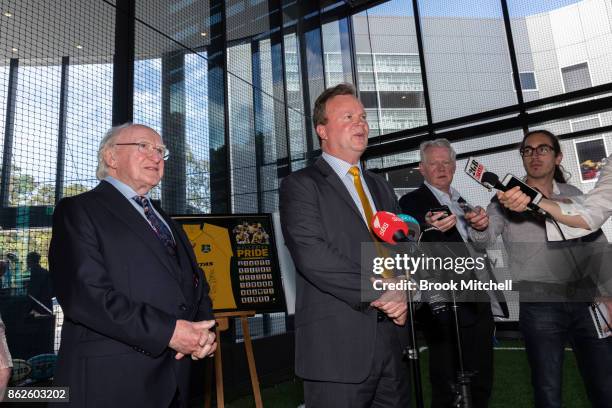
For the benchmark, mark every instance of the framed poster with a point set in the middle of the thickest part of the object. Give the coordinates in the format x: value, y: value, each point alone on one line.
x: 590, y: 155
x: 238, y: 256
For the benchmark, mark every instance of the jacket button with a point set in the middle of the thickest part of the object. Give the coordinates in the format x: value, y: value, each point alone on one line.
x: 183, y: 307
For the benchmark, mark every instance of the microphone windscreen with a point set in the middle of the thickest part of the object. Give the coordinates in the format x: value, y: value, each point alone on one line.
x: 386, y: 225
x: 414, y: 228
x: 475, y: 169
x: 492, y: 180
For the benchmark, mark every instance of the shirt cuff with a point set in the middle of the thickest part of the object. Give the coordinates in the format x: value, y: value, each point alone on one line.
x: 568, y: 208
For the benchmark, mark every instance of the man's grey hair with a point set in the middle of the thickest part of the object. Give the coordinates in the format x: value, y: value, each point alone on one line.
x: 106, y: 143
x: 441, y: 142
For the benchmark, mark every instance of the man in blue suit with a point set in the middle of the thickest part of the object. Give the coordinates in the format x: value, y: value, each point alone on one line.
x: 134, y: 300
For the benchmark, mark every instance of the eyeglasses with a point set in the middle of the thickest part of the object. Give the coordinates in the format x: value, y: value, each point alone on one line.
x: 148, y: 149
x: 540, y: 150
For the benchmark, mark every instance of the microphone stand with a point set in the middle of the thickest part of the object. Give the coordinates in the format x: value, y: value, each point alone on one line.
x: 463, y: 383
x: 412, y: 353
x: 463, y: 398
x: 412, y: 350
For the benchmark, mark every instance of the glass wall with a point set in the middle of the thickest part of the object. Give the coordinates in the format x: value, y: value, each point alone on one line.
x: 230, y: 85
x: 564, y: 44
x: 388, y: 67
x: 89, y: 113
x: 56, y: 103
x: 467, y: 57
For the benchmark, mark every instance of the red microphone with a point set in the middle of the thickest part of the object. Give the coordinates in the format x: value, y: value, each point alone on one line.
x: 389, y: 227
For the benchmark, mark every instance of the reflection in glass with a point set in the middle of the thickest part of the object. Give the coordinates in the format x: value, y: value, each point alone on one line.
x: 148, y: 99
x: 197, y: 153
x: 34, y: 161
x: 336, y: 52
x: 89, y: 115
x: 241, y: 127
x: 295, y: 102
x: 388, y: 68
x: 466, y: 57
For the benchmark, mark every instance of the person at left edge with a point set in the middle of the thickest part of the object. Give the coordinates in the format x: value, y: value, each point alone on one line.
x: 135, y: 302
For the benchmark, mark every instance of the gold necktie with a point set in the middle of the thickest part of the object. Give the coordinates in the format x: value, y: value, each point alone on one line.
x: 367, y: 209
x: 365, y: 203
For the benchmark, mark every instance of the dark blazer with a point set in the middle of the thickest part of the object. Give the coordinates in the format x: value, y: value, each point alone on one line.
x: 121, y: 294
x: 417, y: 203
x: 335, y: 332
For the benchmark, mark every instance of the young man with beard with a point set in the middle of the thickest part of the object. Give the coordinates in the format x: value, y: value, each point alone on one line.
x: 547, y: 272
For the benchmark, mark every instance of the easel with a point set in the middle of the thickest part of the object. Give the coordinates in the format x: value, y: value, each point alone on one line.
x: 223, y: 324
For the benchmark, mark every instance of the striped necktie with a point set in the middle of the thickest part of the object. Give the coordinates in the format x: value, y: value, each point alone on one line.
x: 161, y: 231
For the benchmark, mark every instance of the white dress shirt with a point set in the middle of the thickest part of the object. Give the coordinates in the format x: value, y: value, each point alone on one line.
x: 341, y: 168
x: 595, y: 207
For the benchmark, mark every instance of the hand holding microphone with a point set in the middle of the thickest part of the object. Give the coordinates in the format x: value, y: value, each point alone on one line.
x: 513, y: 193
x: 514, y: 199
x: 393, y: 229
x: 477, y: 218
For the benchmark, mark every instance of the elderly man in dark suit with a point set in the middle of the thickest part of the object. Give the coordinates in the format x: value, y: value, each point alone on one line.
x: 134, y: 300
x: 438, y: 169
x: 348, y: 352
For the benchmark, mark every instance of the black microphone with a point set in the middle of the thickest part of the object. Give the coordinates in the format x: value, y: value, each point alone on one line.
x: 414, y: 228
x: 493, y: 180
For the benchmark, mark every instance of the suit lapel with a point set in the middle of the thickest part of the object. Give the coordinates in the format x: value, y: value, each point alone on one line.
x: 374, y: 191
x: 333, y: 179
x: 117, y: 204
x: 429, y: 196
x: 179, y: 238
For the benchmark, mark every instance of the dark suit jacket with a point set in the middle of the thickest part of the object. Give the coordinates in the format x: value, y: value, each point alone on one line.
x: 417, y: 203
x: 335, y: 332
x: 121, y: 294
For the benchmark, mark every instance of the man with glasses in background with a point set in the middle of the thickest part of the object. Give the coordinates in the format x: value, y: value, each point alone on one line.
x: 134, y: 300
x: 548, y: 275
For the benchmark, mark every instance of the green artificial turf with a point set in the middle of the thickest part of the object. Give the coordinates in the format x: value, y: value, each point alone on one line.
x: 511, y: 389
